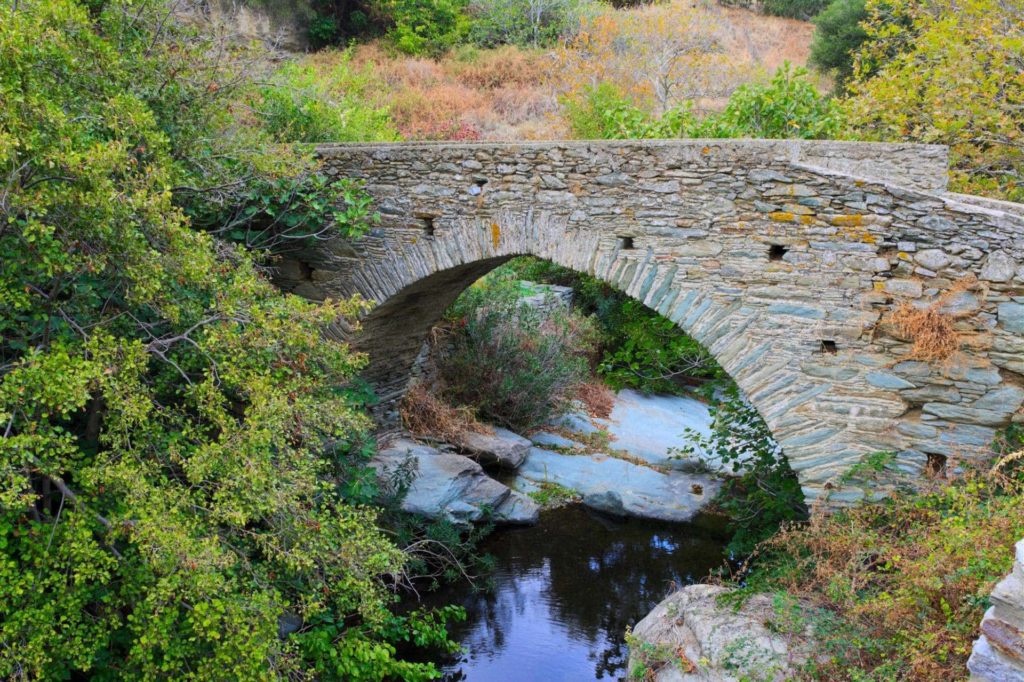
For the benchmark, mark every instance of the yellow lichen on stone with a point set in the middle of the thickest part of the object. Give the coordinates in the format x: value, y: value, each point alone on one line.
x: 903, y: 255
x: 782, y: 217
x: 495, y: 235
x: 808, y: 220
x: 854, y: 220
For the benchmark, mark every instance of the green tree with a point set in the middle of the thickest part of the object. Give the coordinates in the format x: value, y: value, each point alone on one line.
x: 948, y: 73
x: 838, y: 35
x: 424, y: 26
x: 177, y: 438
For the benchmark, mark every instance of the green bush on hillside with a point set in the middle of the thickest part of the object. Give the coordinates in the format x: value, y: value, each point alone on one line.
x: 795, y: 9
x: 788, y: 106
x: 305, y: 104
x: 532, y: 23
x: 424, y: 27
x: 838, y: 36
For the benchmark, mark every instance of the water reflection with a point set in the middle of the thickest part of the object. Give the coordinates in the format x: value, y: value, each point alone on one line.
x: 565, y: 591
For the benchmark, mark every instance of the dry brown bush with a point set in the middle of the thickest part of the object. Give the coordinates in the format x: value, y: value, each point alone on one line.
x: 901, y: 585
x: 932, y: 331
x: 426, y: 415
x: 598, y: 398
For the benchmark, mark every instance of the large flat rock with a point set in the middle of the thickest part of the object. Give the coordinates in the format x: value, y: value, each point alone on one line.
x: 616, y: 486
x: 647, y: 426
x: 501, y: 448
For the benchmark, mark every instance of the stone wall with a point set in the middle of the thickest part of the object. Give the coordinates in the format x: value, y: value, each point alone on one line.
x: 783, y: 258
x: 998, y: 655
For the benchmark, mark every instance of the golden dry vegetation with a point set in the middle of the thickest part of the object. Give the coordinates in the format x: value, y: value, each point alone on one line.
x: 512, y: 93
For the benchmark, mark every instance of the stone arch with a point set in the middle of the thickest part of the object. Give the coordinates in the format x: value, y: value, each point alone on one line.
x: 781, y: 258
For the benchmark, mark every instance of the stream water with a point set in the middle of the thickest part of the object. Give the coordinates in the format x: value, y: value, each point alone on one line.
x: 564, y: 592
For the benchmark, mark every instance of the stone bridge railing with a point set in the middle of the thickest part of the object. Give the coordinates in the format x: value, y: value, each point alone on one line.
x: 784, y: 258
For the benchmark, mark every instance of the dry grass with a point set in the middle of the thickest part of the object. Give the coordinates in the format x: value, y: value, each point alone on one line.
x: 427, y: 416
x: 934, y: 337
x: 468, y: 95
x: 932, y: 331
x: 598, y: 398
x: 900, y: 587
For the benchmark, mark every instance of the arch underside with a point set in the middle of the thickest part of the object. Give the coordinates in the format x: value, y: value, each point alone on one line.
x: 784, y: 273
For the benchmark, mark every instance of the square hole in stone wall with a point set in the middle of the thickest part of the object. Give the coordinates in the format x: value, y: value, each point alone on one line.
x: 829, y: 346
x: 936, y: 465
x: 626, y: 243
x: 777, y: 251
x: 428, y: 225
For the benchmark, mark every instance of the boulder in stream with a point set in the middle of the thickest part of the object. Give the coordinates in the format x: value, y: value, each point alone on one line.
x: 691, y: 637
x: 620, y: 487
x: 501, y: 448
x: 443, y: 485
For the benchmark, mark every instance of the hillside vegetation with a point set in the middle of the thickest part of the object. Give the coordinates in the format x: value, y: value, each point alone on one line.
x: 183, y: 451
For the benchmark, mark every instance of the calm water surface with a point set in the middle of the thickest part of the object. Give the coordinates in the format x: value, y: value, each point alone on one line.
x: 565, y: 591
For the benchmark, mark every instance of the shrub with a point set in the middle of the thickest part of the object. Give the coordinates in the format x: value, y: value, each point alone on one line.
x: 838, y: 36
x: 900, y: 585
x: 518, y: 365
x: 796, y: 9
x: 322, y: 30
x: 764, y: 495
x: 525, y: 22
x: 948, y: 73
x: 429, y: 27
x: 307, y: 104
x: 179, y: 438
x: 788, y: 106
x: 648, y: 352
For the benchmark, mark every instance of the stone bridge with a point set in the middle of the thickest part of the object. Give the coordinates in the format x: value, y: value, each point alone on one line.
x: 783, y: 258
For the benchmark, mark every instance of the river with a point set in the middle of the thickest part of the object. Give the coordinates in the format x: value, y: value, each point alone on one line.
x: 564, y: 591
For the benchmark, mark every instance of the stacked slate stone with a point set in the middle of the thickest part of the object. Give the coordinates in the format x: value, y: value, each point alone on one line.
x: 998, y: 654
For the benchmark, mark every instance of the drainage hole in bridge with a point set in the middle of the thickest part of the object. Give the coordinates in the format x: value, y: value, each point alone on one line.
x: 428, y: 225
x: 777, y: 251
x: 626, y: 243
x: 936, y: 465
x: 829, y: 346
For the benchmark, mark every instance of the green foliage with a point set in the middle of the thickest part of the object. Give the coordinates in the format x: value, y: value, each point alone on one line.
x: 605, y: 112
x: 838, y: 35
x: 788, y: 106
x: 282, y: 214
x: 516, y: 364
x: 176, y: 436
x: 797, y: 9
x: 524, y: 22
x: 765, y: 493
x: 429, y: 27
x: 646, y: 351
x: 305, y: 104
x: 638, y: 347
x: 948, y: 73
x: 322, y: 30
